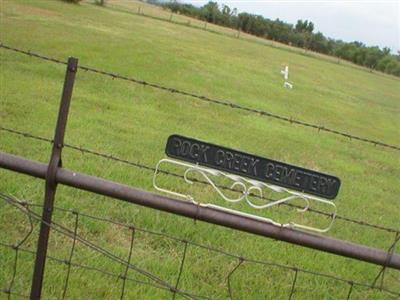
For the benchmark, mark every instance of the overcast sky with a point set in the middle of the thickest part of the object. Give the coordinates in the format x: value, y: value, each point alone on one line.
x: 371, y: 22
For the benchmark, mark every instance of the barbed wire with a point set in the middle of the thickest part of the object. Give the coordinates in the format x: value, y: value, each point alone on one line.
x: 152, y: 169
x: 81, y: 266
x: 390, y: 252
x: 24, y: 207
x: 10, y: 293
x: 226, y: 103
x: 71, y: 254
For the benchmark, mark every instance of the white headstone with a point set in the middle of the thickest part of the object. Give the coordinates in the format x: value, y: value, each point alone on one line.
x: 285, y: 74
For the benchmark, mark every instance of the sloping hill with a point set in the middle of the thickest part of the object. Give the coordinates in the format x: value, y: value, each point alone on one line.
x: 133, y: 121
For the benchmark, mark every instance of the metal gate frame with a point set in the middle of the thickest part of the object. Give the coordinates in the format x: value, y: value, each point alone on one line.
x: 54, y: 174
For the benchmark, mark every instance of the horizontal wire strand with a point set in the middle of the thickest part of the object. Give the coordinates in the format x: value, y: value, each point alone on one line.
x: 220, y: 102
x: 226, y: 103
x: 142, y: 166
x: 24, y: 208
x: 11, y: 200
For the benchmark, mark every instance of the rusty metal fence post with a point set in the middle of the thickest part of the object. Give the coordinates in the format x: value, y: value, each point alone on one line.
x: 51, y: 183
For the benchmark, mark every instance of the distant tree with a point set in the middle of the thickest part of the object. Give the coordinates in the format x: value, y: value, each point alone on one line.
x: 373, y: 55
x: 154, y: 2
x: 330, y: 46
x: 390, y: 65
x: 386, y: 51
x: 301, y: 35
x: 299, y: 26
x: 298, y: 39
x: 347, y: 51
x: 310, y: 27
x: 174, y: 6
x: 360, y: 55
x: 245, y: 22
x: 396, y: 70
x: 383, y: 62
x: 73, y: 1
x: 227, y: 15
x: 318, y: 43
x: 211, y: 12
x: 304, y: 26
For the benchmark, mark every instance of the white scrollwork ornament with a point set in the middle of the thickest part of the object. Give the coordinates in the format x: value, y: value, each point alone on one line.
x: 246, y: 189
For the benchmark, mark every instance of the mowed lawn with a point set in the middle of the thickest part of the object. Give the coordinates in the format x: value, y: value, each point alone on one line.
x: 133, y: 122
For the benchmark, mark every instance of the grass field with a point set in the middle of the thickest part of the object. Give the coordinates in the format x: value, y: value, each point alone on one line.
x: 133, y: 122
x: 147, y: 10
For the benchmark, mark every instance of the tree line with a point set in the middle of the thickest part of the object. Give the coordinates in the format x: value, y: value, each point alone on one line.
x: 299, y: 35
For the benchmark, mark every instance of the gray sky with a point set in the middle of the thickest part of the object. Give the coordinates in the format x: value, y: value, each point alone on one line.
x: 371, y: 22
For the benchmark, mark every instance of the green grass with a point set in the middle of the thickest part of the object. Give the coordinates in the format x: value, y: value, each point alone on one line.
x: 151, y: 11
x: 133, y: 122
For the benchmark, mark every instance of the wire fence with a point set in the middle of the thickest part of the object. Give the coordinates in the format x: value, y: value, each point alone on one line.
x: 27, y: 208
x: 225, y: 103
x: 152, y: 280
x: 24, y: 207
x: 152, y: 169
x: 165, y: 15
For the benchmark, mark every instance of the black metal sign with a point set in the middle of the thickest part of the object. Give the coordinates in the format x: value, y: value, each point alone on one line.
x: 255, y: 167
